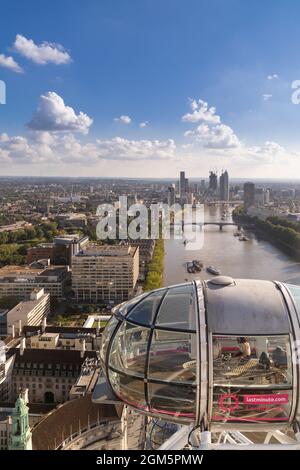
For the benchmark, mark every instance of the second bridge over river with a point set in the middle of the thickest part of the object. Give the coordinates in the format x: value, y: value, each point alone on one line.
x: 220, y: 224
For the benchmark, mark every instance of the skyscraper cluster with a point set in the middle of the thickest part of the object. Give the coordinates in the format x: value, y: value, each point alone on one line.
x: 223, y: 184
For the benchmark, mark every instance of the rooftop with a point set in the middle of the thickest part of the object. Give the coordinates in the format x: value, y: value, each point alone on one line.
x: 22, y: 272
x: 107, y: 251
x: 42, y: 245
x: 64, y: 330
x: 26, y: 306
x: 50, y: 356
x: 48, y: 335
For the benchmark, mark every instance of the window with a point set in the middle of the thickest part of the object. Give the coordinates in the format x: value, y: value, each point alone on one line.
x: 252, y: 378
x: 124, y: 309
x: 145, y: 311
x: 171, y: 399
x: 107, y: 336
x: 128, y: 351
x: 178, y: 309
x: 173, y: 356
x: 130, y: 389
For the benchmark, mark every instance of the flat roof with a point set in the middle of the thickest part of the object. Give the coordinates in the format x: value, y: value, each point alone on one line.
x: 48, y: 335
x: 42, y: 245
x: 107, y: 251
x: 26, y: 306
x: 50, y: 356
x: 67, y: 236
x: 19, y: 271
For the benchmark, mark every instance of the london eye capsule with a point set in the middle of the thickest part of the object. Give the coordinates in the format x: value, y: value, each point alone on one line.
x: 218, y: 353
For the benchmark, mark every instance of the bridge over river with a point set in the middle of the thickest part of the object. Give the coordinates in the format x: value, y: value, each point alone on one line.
x: 220, y: 224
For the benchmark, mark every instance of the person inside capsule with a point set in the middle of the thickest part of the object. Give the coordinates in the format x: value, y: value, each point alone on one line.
x: 261, y: 360
x: 245, y: 348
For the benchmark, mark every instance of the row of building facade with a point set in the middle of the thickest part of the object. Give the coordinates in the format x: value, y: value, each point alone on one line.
x: 92, y: 273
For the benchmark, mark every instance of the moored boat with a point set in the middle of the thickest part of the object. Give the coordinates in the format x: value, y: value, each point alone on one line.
x: 213, y: 270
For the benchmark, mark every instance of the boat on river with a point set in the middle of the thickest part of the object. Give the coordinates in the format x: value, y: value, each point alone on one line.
x: 213, y: 270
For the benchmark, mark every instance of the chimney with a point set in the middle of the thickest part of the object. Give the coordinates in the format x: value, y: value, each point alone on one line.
x: 20, y: 327
x: 83, y: 348
x: 36, y: 294
x: 13, y: 333
x: 98, y: 327
x: 22, y: 346
x: 44, y: 324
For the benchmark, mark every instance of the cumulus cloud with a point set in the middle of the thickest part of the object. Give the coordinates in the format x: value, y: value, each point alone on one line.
x: 53, y: 115
x: 273, y: 76
x: 42, y: 54
x: 17, y: 149
x: 123, y: 119
x: 144, y: 124
x: 219, y: 136
x: 9, y: 62
x: 269, y: 152
x: 211, y: 133
x: 201, y: 112
x: 123, y: 149
x: 39, y: 147
x: 266, y: 97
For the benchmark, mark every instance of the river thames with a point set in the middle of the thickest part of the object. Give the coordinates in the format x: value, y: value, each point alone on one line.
x: 255, y: 258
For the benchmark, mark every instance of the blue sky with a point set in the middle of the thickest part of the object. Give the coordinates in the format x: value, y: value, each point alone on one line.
x: 143, y: 60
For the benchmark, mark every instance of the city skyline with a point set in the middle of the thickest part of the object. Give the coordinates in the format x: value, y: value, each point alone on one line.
x: 125, y: 92
x: 149, y: 228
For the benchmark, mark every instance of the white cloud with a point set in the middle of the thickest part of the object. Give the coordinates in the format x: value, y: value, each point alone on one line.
x: 211, y: 133
x: 273, y: 76
x: 219, y: 136
x: 123, y: 119
x: 9, y: 63
x: 41, y: 147
x: 144, y: 124
x: 123, y: 149
x: 53, y: 115
x: 269, y: 152
x: 266, y: 97
x: 201, y: 113
x: 64, y: 153
x: 17, y: 149
x: 42, y: 54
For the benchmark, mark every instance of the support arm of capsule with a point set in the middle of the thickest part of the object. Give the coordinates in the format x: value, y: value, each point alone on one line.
x: 234, y: 441
x: 237, y: 441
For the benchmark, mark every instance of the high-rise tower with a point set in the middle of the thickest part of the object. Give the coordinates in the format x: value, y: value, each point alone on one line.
x: 213, y: 181
x: 182, y: 184
x: 224, y: 186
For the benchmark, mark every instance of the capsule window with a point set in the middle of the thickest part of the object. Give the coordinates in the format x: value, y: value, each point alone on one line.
x: 173, y: 356
x: 129, y: 349
x: 106, y: 335
x: 173, y: 400
x: 128, y: 388
x: 252, y: 378
x: 145, y: 311
x: 177, y: 311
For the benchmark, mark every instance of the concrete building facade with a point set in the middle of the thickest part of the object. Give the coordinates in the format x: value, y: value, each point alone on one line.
x: 19, y: 281
x: 105, y: 273
x: 32, y: 311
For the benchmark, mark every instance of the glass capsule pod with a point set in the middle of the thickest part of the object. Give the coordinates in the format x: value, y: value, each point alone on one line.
x: 214, y: 353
